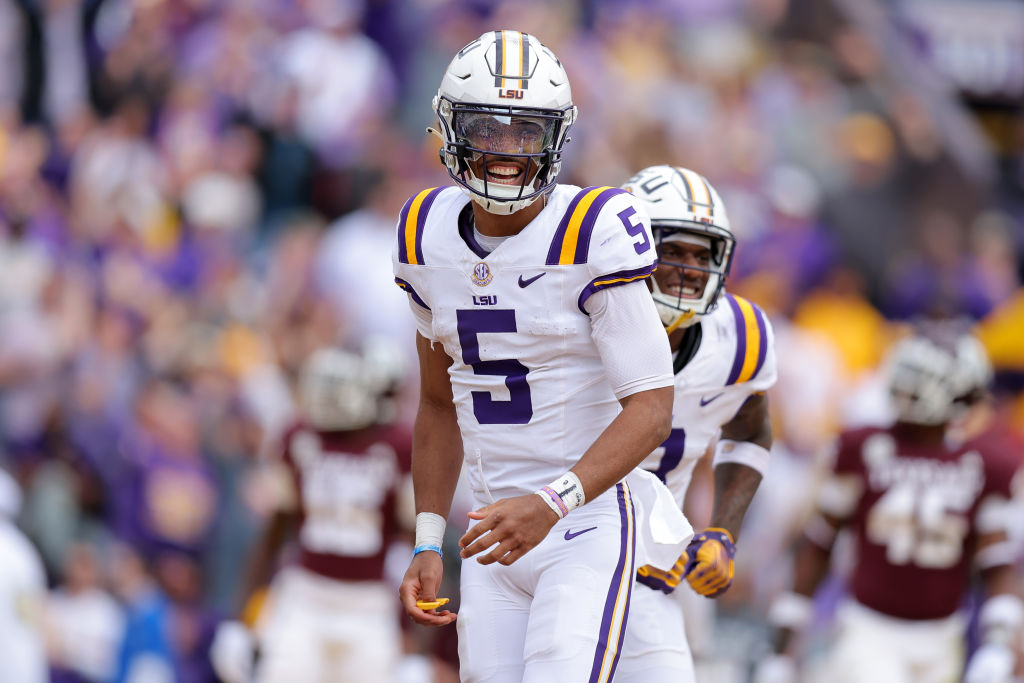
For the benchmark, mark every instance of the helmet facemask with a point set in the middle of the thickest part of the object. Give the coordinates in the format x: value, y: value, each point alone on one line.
x: 693, y: 263
x: 505, y: 156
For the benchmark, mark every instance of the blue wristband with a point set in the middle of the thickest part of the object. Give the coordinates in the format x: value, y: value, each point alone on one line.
x: 421, y: 548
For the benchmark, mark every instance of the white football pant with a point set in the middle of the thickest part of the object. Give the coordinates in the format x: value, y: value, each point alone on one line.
x: 871, y: 646
x: 319, y: 630
x: 557, y: 613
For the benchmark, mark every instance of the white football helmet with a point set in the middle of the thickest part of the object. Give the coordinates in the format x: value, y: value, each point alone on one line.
x: 337, y: 391
x: 931, y: 381
x: 504, y: 109
x: 684, y: 207
x: 387, y: 368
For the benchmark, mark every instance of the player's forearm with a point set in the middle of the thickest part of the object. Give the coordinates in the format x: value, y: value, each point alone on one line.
x: 1001, y: 580
x: 643, y: 425
x: 436, y: 439
x: 436, y: 458
x: 735, y: 486
x: 280, y: 527
x: 792, y: 611
x: 810, y: 567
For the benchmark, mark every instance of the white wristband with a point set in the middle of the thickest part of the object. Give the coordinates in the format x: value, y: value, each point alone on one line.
x: 742, y: 453
x: 429, y: 529
x: 1000, y: 618
x: 563, y: 495
x: 820, y: 532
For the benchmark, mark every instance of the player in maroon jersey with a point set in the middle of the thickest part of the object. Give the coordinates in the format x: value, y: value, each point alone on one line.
x: 341, y: 481
x: 924, y: 514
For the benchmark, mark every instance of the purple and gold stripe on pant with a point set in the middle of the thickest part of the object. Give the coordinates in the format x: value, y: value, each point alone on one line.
x: 572, y: 237
x: 613, y: 280
x: 616, y: 606
x: 751, y: 340
x: 412, y: 292
x: 410, y: 226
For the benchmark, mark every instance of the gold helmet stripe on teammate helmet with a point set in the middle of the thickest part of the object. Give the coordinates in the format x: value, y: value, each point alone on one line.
x: 694, y: 181
x: 686, y: 186
x: 711, y: 201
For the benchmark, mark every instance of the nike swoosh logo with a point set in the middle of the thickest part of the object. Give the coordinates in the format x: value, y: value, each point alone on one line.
x: 570, y: 534
x: 704, y: 402
x: 530, y: 281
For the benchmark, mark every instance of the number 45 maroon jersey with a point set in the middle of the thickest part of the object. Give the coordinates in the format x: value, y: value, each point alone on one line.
x: 916, y: 512
x: 348, y: 487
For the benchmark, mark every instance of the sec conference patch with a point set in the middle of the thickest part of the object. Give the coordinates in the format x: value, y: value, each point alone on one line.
x: 481, y: 275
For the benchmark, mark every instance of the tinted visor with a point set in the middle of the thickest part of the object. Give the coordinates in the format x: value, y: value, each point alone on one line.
x: 503, y: 134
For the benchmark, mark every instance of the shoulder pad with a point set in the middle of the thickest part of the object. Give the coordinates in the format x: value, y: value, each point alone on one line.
x: 751, y: 339
x: 572, y: 237
x: 410, y: 226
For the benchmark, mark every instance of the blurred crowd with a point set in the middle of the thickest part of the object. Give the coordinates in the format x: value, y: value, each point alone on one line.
x: 196, y: 194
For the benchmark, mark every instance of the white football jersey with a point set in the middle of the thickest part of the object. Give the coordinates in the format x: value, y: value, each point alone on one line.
x: 735, y: 359
x: 515, y: 324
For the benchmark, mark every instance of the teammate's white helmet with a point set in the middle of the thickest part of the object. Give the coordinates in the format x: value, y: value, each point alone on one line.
x: 684, y: 207
x: 931, y: 381
x: 504, y: 109
x: 337, y: 392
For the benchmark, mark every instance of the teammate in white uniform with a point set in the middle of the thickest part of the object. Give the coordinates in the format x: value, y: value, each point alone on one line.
x: 534, y: 325
x: 724, y: 361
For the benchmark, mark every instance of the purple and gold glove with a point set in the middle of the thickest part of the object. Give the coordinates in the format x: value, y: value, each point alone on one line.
x: 709, y: 567
x: 660, y: 580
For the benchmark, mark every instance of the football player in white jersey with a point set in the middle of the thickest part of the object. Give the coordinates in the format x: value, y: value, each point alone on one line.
x: 534, y: 325
x: 724, y: 361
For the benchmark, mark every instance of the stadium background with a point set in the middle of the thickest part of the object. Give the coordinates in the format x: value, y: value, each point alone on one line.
x: 194, y: 194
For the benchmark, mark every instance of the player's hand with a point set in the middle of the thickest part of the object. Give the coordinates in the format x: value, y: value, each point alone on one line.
x: 709, y: 567
x: 775, y: 669
x: 233, y: 652
x: 992, y: 663
x: 515, y: 524
x: 421, y: 582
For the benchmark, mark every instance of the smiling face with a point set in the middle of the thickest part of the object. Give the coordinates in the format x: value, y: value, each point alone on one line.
x: 683, y: 271
x: 693, y: 262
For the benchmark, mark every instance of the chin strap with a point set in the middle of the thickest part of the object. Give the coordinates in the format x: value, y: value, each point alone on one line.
x: 684, y: 320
